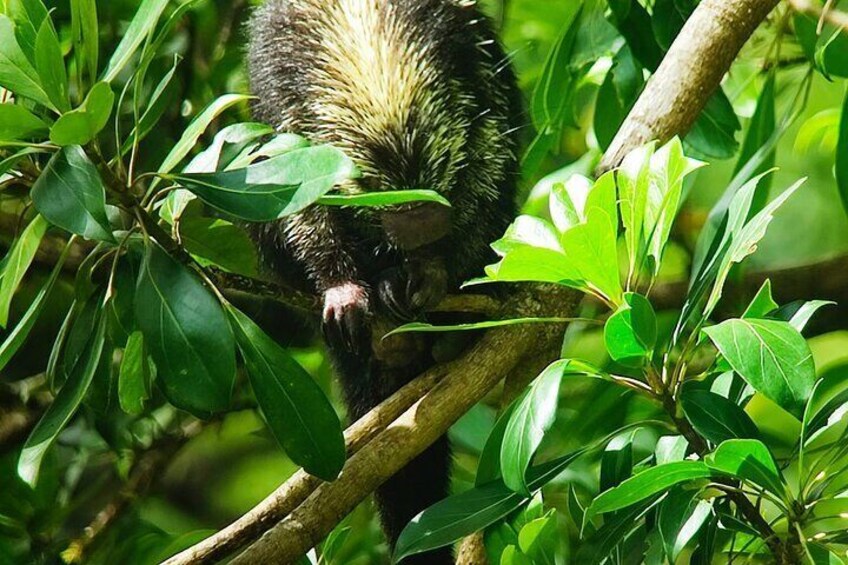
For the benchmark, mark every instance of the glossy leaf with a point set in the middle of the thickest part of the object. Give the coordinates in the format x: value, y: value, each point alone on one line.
x: 18, y: 261
x: 842, y: 156
x: 275, y: 188
x: 652, y: 481
x: 298, y: 413
x: 134, y: 375
x: 532, y: 417
x: 16, y: 338
x: 187, y: 334
x: 617, y: 94
x: 630, y: 333
x: 387, y: 198
x: 471, y: 511
x: 422, y: 327
x: 617, y: 461
x: 681, y: 514
x: 713, y: 136
x: 82, y: 125
x: 760, y: 130
x: 748, y: 459
x: 762, y: 304
x: 62, y: 408
x: 17, y: 73
x: 50, y: 66
x: 634, y: 179
x: 489, y: 464
x: 86, y: 34
x: 771, y: 356
x: 142, y: 24
x: 717, y: 418
x: 198, y: 125
x: 17, y: 123
x: 70, y: 194
x: 539, y: 539
x: 218, y: 242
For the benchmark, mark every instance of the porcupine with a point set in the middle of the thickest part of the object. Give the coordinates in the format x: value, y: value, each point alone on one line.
x: 420, y: 95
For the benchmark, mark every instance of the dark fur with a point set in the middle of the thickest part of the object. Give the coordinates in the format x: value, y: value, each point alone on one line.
x: 325, y: 249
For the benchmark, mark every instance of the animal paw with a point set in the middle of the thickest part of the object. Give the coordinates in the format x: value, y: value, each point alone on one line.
x: 405, y: 292
x: 346, y: 316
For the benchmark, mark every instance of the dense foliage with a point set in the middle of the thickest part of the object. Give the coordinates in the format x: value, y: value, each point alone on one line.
x: 158, y: 404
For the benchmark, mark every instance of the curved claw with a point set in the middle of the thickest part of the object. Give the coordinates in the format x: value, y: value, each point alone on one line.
x: 346, y: 317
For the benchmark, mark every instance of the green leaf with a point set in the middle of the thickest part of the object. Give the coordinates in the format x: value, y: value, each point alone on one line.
x: 422, y: 327
x: 218, y: 242
x: 536, y: 264
x: 86, y: 34
x: 798, y: 313
x: 670, y: 448
x: 17, y: 73
x: 591, y: 246
x: 717, y: 418
x: 669, y: 167
x: 82, y: 125
x: 489, y: 465
x: 187, y: 334
x: 652, y: 481
x: 829, y: 394
x: 681, y: 514
x: 616, y: 529
x: 471, y: 511
x: 142, y: 24
x: 760, y: 130
x: 18, y: 336
x: 157, y: 103
x: 750, y: 460
x: 630, y: 333
x: 548, y: 101
x: 842, y: 156
x: 539, y: 539
x: 275, y: 188
x: 62, y: 409
x: 70, y: 194
x: 713, y: 136
x: 532, y: 417
x: 18, y: 262
x: 50, y: 65
x: 617, y: 461
x: 387, y: 198
x: 134, y: 375
x: 634, y: 23
x: 771, y: 356
x: 512, y: 555
x: 668, y: 17
x: 617, y: 94
x: 741, y: 237
x: 28, y: 15
x: 298, y: 413
x: 634, y: 180
x: 762, y: 304
x: 197, y: 126
x: 17, y: 123
x: 226, y: 146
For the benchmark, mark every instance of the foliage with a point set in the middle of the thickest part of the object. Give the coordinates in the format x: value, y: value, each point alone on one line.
x: 130, y: 168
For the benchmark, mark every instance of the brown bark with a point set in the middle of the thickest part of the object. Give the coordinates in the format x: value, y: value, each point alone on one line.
x: 689, y: 74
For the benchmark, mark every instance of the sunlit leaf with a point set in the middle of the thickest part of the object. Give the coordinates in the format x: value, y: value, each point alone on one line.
x: 82, y: 125
x: 17, y: 73
x: 18, y: 123
x: 143, y: 23
x: 387, y: 198
x: 771, y: 356
x: 134, y: 375
x: 652, y: 481
x: 748, y: 459
x: 630, y: 333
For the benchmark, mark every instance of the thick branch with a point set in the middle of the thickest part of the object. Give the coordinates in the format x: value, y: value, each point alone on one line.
x: 468, y: 379
x: 689, y: 74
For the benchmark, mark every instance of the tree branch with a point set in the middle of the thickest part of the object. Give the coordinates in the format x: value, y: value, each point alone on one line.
x: 689, y: 74
x: 670, y: 104
x: 468, y: 379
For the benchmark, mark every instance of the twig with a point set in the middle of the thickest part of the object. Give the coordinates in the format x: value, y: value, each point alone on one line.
x: 823, y: 14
